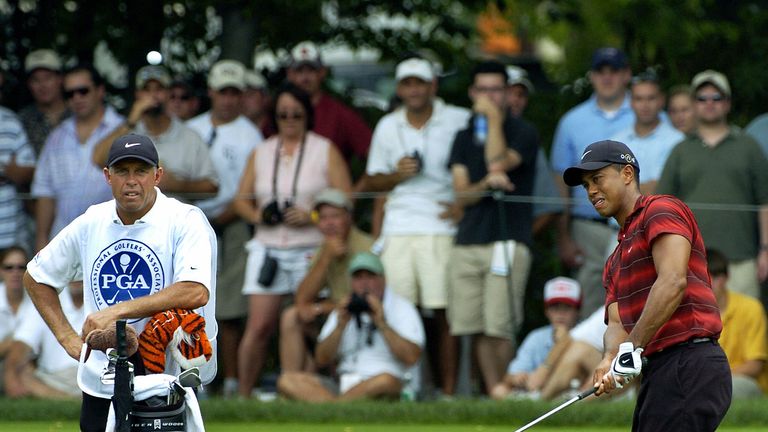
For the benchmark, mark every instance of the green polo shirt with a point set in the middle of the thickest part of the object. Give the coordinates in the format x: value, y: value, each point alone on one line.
x: 731, y: 175
x: 337, y: 278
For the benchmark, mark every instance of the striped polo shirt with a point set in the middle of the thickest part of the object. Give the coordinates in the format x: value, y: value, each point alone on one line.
x: 630, y: 273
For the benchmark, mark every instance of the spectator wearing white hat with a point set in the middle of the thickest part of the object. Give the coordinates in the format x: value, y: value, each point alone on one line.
x: 186, y: 163
x: 409, y: 160
x: 48, y: 109
x: 530, y: 367
x: 231, y: 138
x: 333, y: 119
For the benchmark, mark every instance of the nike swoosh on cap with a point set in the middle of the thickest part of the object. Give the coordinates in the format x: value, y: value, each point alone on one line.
x: 129, y: 145
x: 585, y: 153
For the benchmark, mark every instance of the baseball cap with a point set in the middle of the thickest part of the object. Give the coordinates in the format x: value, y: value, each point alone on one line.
x: 333, y: 197
x: 518, y: 76
x: 609, y: 56
x: 713, y: 77
x: 306, y: 53
x: 415, y: 67
x: 227, y: 73
x: 366, y: 261
x: 42, y: 59
x: 133, y: 146
x: 152, y: 72
x: 254, y: 80
x: 562, y: 290
x: 599, y: 155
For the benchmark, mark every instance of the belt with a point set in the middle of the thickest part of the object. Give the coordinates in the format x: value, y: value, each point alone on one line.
x: 599, y: 220
x: 689, y: 342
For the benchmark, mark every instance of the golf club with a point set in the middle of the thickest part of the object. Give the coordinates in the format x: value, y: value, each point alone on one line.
x: 570, y: 401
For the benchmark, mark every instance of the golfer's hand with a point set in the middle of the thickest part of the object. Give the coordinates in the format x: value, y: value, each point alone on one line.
x: 628, y: 362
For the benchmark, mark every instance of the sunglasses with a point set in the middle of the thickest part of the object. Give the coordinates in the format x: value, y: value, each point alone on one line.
x: 9, y: 267
x: 713, y: 98
x: 183, y: 97
x: 290, y: 116
x: 82, y: 91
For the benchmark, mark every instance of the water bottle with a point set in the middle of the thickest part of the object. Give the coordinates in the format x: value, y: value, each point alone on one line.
x: 480, y: 127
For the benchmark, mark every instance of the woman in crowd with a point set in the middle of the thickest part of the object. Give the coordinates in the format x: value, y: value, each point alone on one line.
x: 13, y: 262
x: 276, y: 195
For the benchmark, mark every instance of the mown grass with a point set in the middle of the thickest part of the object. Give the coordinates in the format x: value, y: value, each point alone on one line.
x: 364, y: 416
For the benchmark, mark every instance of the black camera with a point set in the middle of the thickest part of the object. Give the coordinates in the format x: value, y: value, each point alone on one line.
x: 272, y: 215
x: 358, y: 304
x: 416, y: 155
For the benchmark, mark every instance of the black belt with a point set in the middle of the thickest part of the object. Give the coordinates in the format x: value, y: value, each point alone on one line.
x: 599, y: 220
x: 689, y: 342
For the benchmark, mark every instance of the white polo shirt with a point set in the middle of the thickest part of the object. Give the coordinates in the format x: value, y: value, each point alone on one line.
x: 173, y: 242
x: 34, y: 332
x: 9, y: 320
x: 356, y: 356
x: 230, y: 148
x: 413, y: 206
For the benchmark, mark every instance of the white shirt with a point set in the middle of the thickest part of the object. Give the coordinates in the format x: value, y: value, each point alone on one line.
x: 182, y: 151
x: 34, y: 332
x: 413, y: 205
x: 229, y: 150
x: 173, y: 242
x: 358, y: 357
x: 8, y: 319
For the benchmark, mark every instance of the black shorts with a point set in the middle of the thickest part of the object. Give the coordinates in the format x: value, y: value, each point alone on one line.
x: 686, y: 387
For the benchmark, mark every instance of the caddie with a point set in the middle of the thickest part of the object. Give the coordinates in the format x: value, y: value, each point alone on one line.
x: 659, y: 300
x: 138, y: 254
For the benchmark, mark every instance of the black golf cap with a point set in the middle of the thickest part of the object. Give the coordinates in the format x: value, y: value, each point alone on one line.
x: 133, y: 146
x: 599, y: 155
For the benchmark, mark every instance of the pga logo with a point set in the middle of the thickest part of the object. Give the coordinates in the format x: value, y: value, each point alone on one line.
x: 125, y: 270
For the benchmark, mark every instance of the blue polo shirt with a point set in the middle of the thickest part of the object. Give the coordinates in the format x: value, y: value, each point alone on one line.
x: 581, y: 126
x: 651, y: 150
x: 533, y: 351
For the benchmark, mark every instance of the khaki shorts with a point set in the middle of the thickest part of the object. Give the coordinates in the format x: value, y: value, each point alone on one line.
x: 480, y: 302
x: 230, y: 301
x: 416, y: 268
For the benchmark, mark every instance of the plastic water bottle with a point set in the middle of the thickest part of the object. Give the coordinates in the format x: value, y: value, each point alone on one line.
x: 480, y: 127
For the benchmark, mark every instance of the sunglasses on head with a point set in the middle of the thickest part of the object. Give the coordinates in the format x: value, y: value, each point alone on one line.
x: 9, y: 267
x: 82, y: 91
x: 713, y: 98
x: 291, y: 116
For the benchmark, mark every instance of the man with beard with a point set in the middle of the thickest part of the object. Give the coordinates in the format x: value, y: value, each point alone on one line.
x: 186, y: 159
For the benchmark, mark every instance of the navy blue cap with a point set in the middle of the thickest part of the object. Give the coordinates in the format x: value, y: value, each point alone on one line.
x: 609, y: 56
x: 133, y: 146
x: 599, y: 155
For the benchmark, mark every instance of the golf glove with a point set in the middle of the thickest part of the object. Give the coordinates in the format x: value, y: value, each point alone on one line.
x: 627, y: 364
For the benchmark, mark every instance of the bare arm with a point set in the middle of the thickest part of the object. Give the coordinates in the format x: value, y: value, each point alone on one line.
x: 403, y: 349
x: 467, y: 193
x: 46, y: 300
x: 173, y: 183
x: 183, y: 295
x: 311, y: 285
x: 45, y: 210
x: 101, y: 150
x: 338, y: 172
x: 17, y: 360
x: 328, y: 348
x: 614, y: 335
x: 18, y: 174
x: 670, y: 257
x: 750, y: 368
x: 245, y: 204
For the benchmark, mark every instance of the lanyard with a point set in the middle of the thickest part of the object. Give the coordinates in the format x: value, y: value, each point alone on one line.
x: 295, y: 174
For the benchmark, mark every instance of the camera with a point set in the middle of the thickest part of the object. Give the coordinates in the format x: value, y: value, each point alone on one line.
x: 358, y: 304
x: 272, y: 215
x: 416, y: 155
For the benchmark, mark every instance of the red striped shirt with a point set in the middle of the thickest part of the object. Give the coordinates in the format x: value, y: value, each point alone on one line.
x: 630, y: 273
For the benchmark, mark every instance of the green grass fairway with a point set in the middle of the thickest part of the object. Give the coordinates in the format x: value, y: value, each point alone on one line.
x: 305, y: 427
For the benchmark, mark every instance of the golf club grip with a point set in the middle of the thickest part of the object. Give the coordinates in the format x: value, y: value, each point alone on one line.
x: 587, y: 393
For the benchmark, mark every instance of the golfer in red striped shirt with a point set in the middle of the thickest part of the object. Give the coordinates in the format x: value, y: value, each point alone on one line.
x: 659, y: 301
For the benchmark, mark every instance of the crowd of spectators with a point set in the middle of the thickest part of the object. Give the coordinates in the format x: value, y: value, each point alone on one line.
x: 461, y: 193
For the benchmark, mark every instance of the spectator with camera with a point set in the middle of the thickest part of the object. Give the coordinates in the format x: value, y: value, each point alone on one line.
x: 326, y: 282
x: 372, y: 337
x: 408, y: 159
x: 277, y: 190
